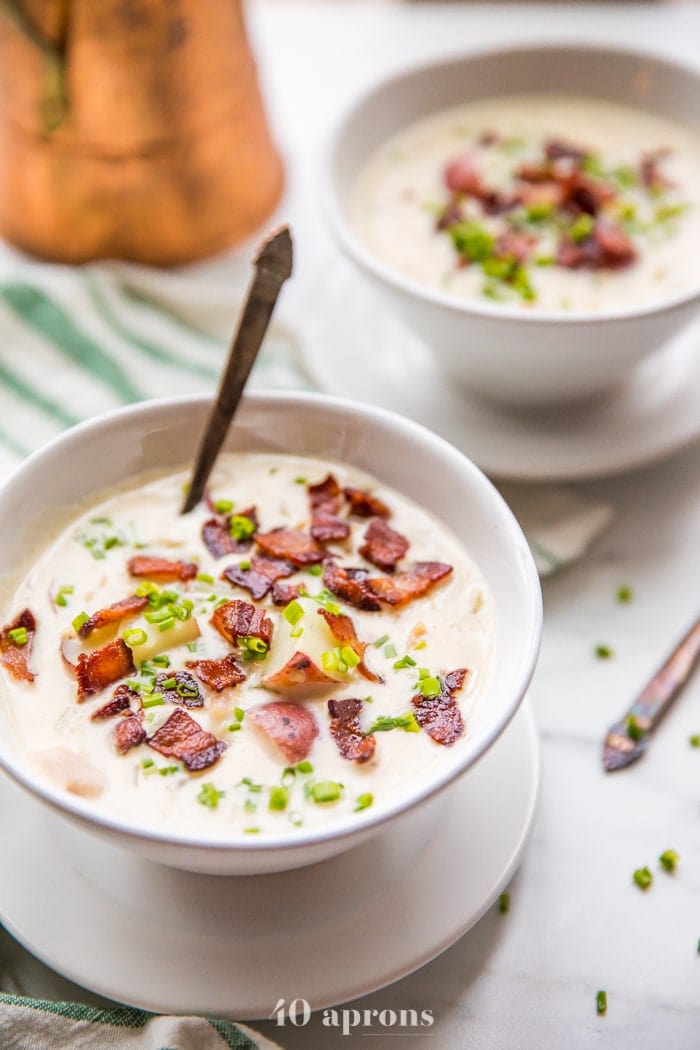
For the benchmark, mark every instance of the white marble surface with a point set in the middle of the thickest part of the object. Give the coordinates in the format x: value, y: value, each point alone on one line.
x: 527, y: 980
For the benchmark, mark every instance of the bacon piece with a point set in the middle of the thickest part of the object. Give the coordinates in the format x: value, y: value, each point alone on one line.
x: 258, y: 579
x: 450, y: 215
x: 347, y: 731
x: 183, y: 738
x: 608, y: 247
x: 217, y: 538
x: 649, y: 172
x: 584, y: 194
x: 439, y: 715
x: 513, y: 245
x: 14, y: 657
x: 326, y: 500
x: 98, y: 669
x: 218, y: 674
x: 120, y: 610
x: 236, y: 619
x: 129, y: 732
x: 350, y: 585
x: 365, y: 505
x: 543, y: 194
x: 284, y: 593
x: 556, y: 149
x: 343, y: 630
x: 299, y: 670
x: 292, y: 545
x: 185, y: 690
x: 405, y: 586
x: 383, y: 545
x: 495, y: 203
x: 462, y: 175
x: 291, y: 727
x: 121, y: 701
x: 161, y: 568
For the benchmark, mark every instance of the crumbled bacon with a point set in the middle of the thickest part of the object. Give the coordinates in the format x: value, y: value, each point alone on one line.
x: 351, y: 585
x: 261, y: 575
x: 326, y: 500
x: 120, y: 610
x: 129, y: 732
x: 14, y: 657
x: 236, y: 619
x: 291, y: 544
x: 291, y: 727
x: 405, y: 586
x: 365, y: 505
x: 546, y: 194
x: 439, y: 715
x: 185, y: 689
x: 555, y: 149
x: 121, y: 701
x: 299, y: 670
x: 462, y: 175
x: 449, y: 216
x: 649, y: 172
x: 217, y: 536
x: 218, y: 674
x: 343, y: 630
x: 347, y: 732
x: 161, y: 568
x: 101, y: 667
x: 608, y: 247
x: 584, y: 194
x: 183, y: 738
x: 514, y: 245
x: 284, y: 593
x: 383, y: 546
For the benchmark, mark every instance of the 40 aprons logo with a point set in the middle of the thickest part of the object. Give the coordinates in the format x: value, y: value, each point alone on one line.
x: 298, y: 1013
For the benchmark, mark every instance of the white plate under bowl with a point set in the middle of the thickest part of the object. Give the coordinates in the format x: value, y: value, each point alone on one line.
x: 175, y: 942
x: 354, y: 346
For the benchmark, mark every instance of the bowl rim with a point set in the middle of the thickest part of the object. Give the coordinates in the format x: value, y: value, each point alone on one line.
x: 351, y: 824
x: 353, y: 247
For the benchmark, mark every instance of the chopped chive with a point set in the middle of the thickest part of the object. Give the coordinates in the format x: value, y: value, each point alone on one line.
x: 161, y: 660
x: 155, y: 700
x: 330, y: 660
x: 300, y: 481
x: 296, y: 819
x: 193, y: 646
x: 63, y: 593
x: 233, y: 727
x: 305, y: 766
x: 422, y: 644
x: 18, y: 635
x: 581, y: 228
x: 166, y: 770
x: 349, y: 656
x: 296, y: 632
x: 390, y: 651
x: 244, y: 564
x: 223, y: 506
x: 79, y: 620
x: 165, y: 625
x: 325, y: 791
x: 643, y: 878
x: 601, y: 1002
x: 209, y: 795
x: 158, y: 615
x: 241, y: 527
x: 169, y: 683
x: 278, y: 798
x: 669, y: 860
x: 364, y: 801
x: 504, y: 903
x: 694, y: 740
x: 293, y: 612
x: 288, y: 776
x: 315, y: 570
x: 381, y: 641
x: 430, y: 687
x: 624, y: 594
x: 635, y: 730
x: 405, y: 661
x: 384, y: 723
x: 134, y: 636
x: 146, y: 763
x: 239, y: 713
x: 603, y: 652
x: 251, y: 831
x: 204, y: 577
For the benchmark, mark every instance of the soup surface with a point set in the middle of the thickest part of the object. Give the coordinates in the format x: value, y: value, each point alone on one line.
x: 301, y: 645
x: 559, y: 203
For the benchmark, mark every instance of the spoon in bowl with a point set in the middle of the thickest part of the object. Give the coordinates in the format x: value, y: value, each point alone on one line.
x: 273, y: 265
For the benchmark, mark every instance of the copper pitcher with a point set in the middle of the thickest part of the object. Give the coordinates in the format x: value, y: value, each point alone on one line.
x: 131, y: 129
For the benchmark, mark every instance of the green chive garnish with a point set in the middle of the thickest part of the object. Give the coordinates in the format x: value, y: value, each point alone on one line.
x: 603, y: 652
x: 624, y: 594
x: 223, y: 506
x: 504, y: 903
x: 305, y: 766
x: 364, y: 801
x: 134, y: 636
x: 293, y: 612
x: 325, y: 791
x: 278, y: 798
x: 601, y: 1002
x: 384, y: 723
x: 18, y: 635
x: 669, y: 860
x: 643, y: 878
x: 405, y: 661
x: 79, y: 620
x: 209, y: 796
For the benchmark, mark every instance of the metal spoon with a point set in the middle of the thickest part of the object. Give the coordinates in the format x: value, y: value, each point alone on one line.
x: 627, y: 739
x: 273, y: 265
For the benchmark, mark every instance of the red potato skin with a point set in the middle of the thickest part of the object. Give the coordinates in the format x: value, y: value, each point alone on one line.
x: 291, y: 727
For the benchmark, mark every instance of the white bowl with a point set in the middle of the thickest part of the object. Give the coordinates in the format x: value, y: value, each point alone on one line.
x: 162, y: 434
x: 504, y: 351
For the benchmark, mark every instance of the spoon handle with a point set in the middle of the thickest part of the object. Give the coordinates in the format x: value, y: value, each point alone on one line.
x: 273, y: 265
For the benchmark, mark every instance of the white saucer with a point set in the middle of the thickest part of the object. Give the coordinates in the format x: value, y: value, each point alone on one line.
x: 353, y: 346
x: 174, y: 942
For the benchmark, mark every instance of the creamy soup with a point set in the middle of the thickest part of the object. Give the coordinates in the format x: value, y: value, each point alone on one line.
x: 300, y: 646
x: 552, y: 202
